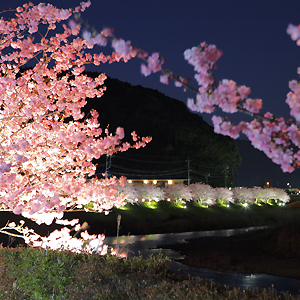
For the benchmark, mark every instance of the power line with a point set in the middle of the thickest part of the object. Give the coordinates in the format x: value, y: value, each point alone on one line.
x: 145, y: 171
x: 144, y: 175
x: 209, y: 175
x: 166, y: 160
x: 150, y: 161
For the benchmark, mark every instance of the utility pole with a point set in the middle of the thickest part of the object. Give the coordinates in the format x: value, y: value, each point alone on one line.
x: 107, y: 165
x: 206, y: 178
x: 189, y: 178
x: 225, y: 174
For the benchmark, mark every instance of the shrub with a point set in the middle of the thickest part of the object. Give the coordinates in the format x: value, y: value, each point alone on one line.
x: 40, y: 273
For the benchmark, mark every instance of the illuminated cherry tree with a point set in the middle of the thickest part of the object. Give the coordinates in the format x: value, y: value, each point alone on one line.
x: 203, y: 193
x: 243, y: 195
x: 149, y: 192
x: 224, y: 196
x: 47, y: 144
x: 130, y: 193
x: 178, y: 193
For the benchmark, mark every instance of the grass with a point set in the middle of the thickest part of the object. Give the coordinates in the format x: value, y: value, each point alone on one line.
x: 166, y: 217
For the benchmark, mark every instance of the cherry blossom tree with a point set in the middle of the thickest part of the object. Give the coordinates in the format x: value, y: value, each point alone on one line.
x: 281, y: 195
x: 243, y: 195
x: 47, y: 143
x: 203, y: 193
x: 130, y: 193
x: 224, y: 196
x: 149, y: 192
x: 269, y: 195
x: 261, y: 195
x: 278, y: 138
x: 178, y: 193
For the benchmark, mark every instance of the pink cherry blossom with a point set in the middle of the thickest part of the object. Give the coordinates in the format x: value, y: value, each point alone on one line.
x: 154, y: 62
x: 164, y: 79
x: 204, y: 194
x: 123, y: 48
x: 100, y: 40
x: 294, y: 32
x: 145, y: 70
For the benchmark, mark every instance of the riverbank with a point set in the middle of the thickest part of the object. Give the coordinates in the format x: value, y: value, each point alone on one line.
x: 273, y: 251
x: 39, y: 274
x: 167, y: 217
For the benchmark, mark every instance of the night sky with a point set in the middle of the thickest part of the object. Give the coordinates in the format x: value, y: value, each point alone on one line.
x: 257, y: 52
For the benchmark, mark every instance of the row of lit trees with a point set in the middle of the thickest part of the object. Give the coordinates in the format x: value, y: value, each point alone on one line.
x: 203, y: 194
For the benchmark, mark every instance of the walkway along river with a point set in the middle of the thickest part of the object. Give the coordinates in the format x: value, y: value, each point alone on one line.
x: 147, y: 245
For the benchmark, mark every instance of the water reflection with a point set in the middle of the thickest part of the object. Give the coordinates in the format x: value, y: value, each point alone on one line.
x: 281, y: 284
x: 144, y: 243
x: 147, y: 245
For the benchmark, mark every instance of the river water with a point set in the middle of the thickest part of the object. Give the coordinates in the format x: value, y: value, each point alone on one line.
x: 147, y: 245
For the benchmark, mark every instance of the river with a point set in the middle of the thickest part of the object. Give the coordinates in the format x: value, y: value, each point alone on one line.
x: 147, y: 245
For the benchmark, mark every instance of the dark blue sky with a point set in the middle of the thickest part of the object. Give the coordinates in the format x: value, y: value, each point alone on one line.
x: 257, y: 51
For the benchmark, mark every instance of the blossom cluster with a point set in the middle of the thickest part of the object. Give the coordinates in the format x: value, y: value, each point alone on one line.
x: 62, y: 240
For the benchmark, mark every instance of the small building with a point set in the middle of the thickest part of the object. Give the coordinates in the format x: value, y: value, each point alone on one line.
x: 157, y: 182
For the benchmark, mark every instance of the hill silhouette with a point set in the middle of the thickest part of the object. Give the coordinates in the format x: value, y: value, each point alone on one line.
x: 181, y: 140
